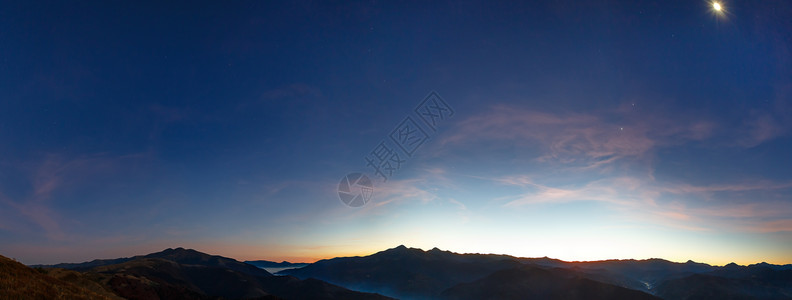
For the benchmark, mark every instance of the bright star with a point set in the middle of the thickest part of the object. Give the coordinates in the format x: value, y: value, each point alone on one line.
x: 718, y: 9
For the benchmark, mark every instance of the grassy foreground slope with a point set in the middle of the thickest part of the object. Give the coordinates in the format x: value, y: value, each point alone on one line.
x: 18, y: 281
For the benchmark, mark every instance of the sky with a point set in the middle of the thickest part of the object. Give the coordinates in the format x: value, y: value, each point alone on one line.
x: 578, y: 130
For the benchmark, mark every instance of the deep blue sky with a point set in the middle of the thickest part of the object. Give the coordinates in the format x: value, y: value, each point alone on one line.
x: 582, y: 129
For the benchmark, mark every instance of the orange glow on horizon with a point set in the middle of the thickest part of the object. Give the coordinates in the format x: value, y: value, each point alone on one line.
x: 778, y: 260
x: 314, y: 254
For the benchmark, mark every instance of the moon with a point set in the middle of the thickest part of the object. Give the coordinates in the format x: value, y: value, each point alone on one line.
x: 717, y: 6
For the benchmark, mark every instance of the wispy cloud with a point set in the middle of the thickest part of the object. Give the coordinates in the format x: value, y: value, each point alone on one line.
x: 622, y: 191
x: 400, y: 191
x: 674, y: 205
x: 587, y: 139
x: 461, y: 205
x: 760, y: 127
x: 582, y: 148
x: 748, y: 185
x: 49, y: 177
x: 784, y: 225
x: 598, y: 139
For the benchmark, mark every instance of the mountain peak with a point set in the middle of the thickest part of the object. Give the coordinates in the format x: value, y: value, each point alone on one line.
x: 402, y: 250
x: 762, y: 264
x: 195, y: 257
x: 732, y: 265
x: 177, y: 250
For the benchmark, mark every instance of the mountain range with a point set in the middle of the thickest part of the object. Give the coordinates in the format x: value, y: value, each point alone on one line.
x: 409, y: 273
x: 188, y: 274
x: 400, y: 272
x: 271, y: 264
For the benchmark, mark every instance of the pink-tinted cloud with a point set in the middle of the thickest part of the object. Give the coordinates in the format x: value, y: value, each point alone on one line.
x: 761, y: 127
x: 574, y: 138
x: 752, y: 210
x: 640, y: 199
x: 762, y: 185
x: 621, y: 191
x: 48, y: 179
x: 577, y: 142
x: 784, y: 225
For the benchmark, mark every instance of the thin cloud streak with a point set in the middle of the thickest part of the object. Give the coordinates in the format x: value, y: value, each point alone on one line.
x: 739, y: 187
x: 582, y: 150
x: 51, y: 176
x: 591, y: 139
x: 643, y: 196
x: 600, y: 139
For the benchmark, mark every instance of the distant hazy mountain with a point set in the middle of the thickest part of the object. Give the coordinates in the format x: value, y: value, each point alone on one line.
x: 759, y: 281
x: 272, y: 264
x: 87, y: 265
x: 692, y: 280
x: 641, y: 275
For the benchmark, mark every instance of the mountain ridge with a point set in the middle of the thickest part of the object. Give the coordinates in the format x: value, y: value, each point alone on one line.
x: 412, y: 273
x: 178, y: 273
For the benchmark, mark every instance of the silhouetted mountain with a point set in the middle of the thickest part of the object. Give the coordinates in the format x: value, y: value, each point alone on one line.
x: 416, y: 274
x: 188, y: 274
x: 179, y: 255
x: 758, y: 281
x: 531, y: 282
x: 410, y: 273
x: 701, y: 286
x: 642, y: 275
x: 289, y: 287
x: 192, y: 257
x: 404, y: 272
x: 774, y: 267
x: 140, y: 278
